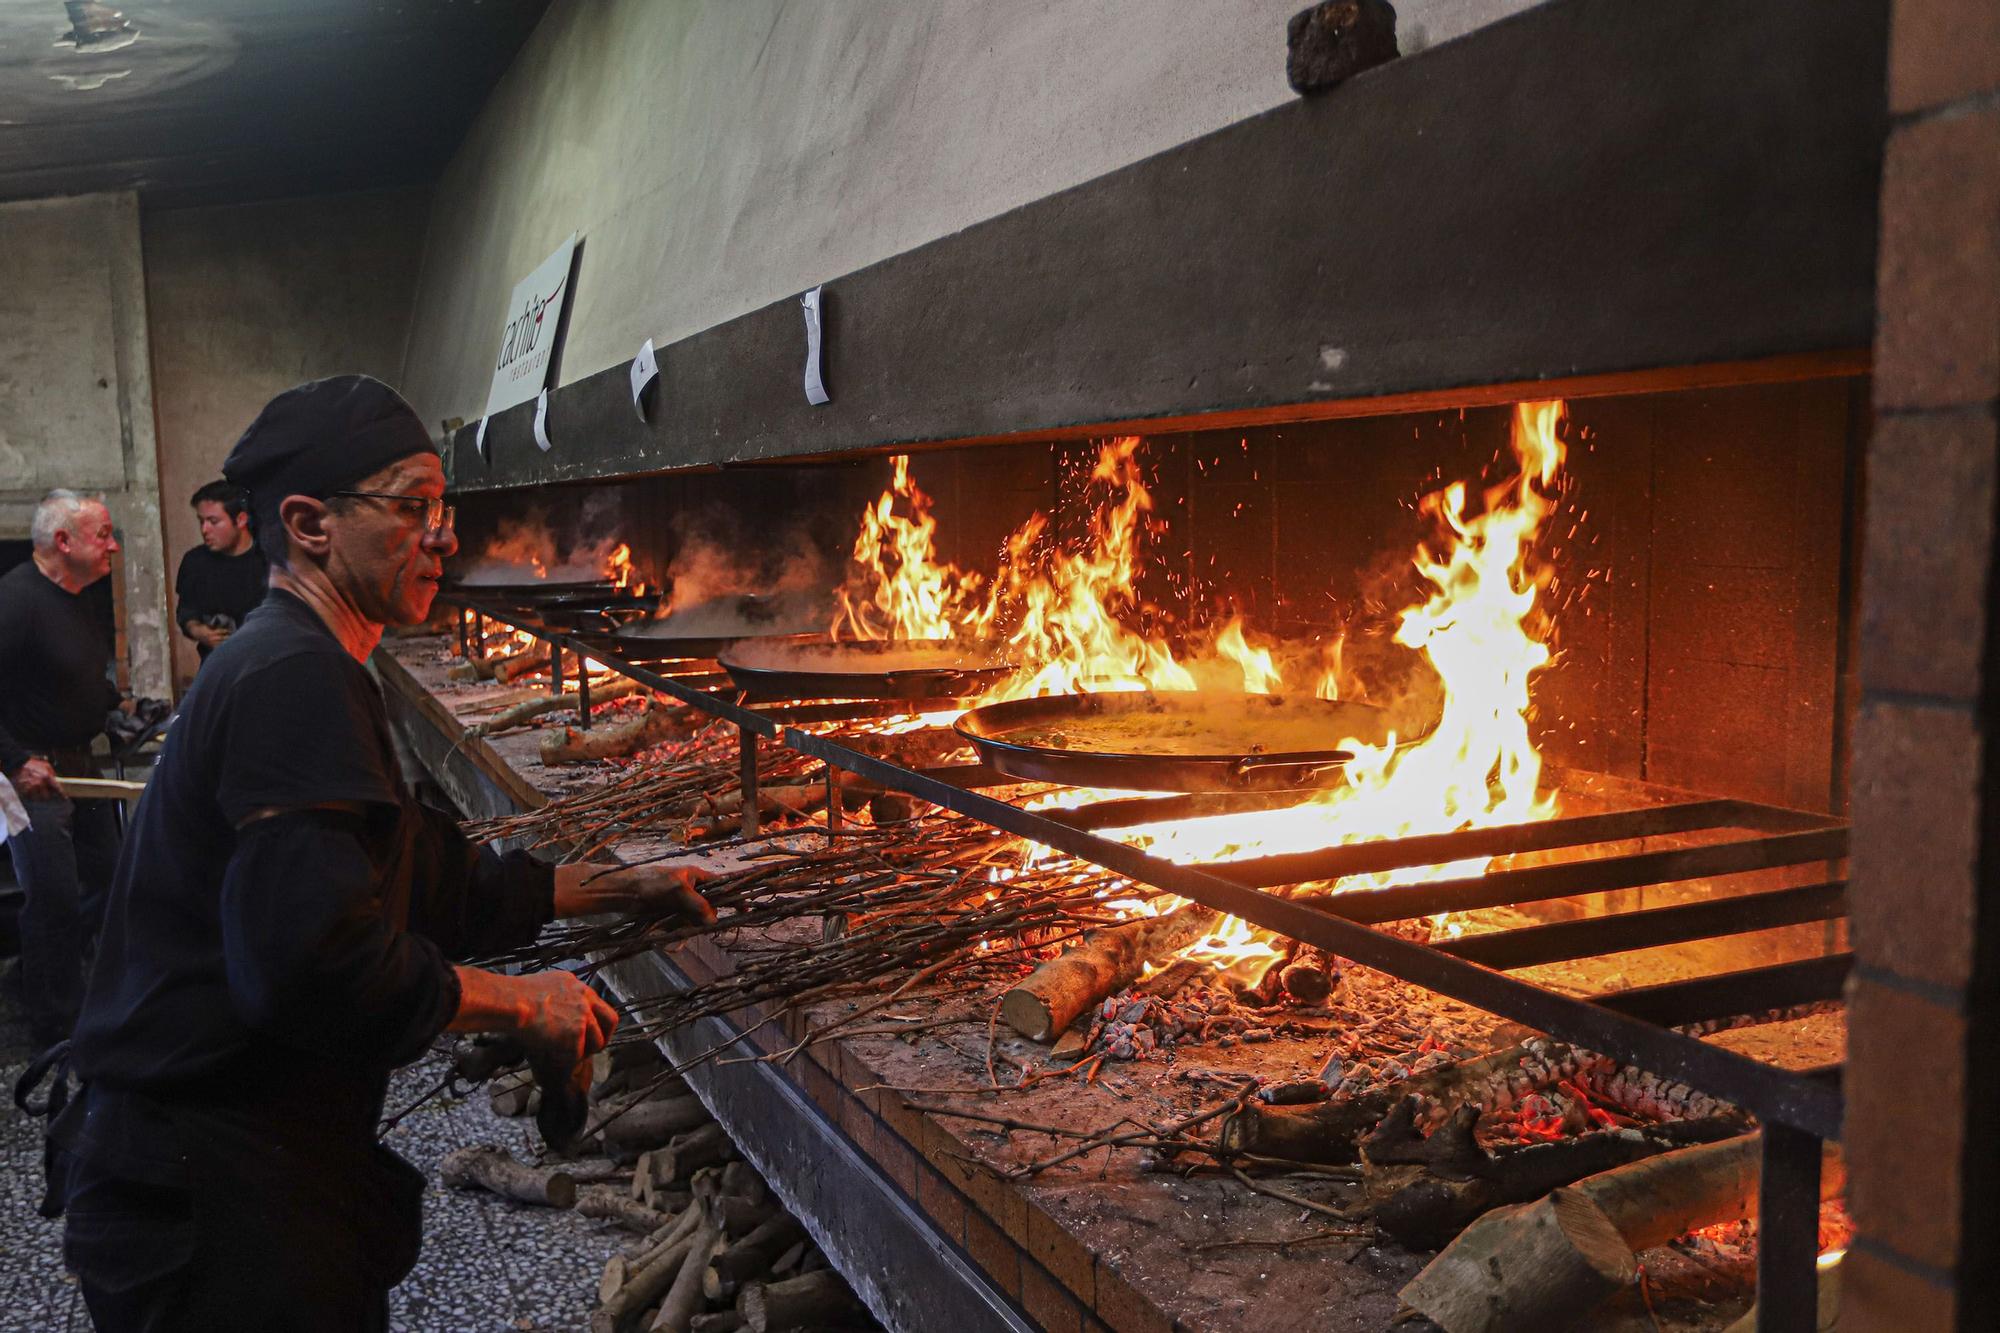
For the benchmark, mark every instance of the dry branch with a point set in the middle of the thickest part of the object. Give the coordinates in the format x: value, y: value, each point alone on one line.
x: 497, y: 1170
x: 657, y: 722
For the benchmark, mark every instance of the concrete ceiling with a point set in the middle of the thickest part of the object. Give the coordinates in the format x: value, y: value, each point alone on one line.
x: 209, y: 101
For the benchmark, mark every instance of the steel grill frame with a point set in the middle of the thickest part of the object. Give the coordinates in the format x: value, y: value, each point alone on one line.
x: 1799, y: 1110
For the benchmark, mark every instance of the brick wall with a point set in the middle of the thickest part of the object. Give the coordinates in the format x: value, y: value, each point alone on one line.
x: 1923, y: 1013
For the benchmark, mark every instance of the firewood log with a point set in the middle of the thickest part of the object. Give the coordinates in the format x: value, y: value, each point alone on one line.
x: 496, y: 1169
x: 1547, y: 1264
x: 657, y: 722
x: 530, y: 709
x: 1829, y: 1306
x: 651, y: 1123
x: 754, y: 1256
x: 722, y: 1321
x: 652, y: 1188
x: 646, y: 1279
x: 740, y: 1217
x: 1424, y: 1191
x: 616, y: 1206
x: 598, y: 1171
x: 788, y: 1262
x: 740, y: 1180
x: 684, y: 1297
x: 1102, y: 963
x: 1310, y: 974
x: 815, y: 1298
x: 510, y: 669
x: 706, y: 1146
x: 1329, y: 1132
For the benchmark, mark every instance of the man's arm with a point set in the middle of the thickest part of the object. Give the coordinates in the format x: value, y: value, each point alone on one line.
x: 316, y: 964
x: 30, y: 777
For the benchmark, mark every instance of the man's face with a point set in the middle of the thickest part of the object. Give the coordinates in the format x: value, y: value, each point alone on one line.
x: 382, y: 557
x: 87, y: 546
x: 219, y: 532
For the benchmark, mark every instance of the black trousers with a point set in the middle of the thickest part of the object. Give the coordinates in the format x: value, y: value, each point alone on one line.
x: 261, y: 1232
x: 64, y: 861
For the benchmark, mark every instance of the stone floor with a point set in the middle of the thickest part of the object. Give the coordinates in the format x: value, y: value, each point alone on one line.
x: 487, y: 1265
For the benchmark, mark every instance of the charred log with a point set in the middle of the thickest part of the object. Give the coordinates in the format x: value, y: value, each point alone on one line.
x: 1104, y: 962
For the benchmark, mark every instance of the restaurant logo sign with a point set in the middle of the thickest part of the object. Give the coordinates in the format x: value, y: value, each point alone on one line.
x: 528, y: 342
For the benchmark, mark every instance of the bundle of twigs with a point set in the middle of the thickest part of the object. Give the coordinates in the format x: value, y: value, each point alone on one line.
x: 679, y: 788
x: 948, y: 891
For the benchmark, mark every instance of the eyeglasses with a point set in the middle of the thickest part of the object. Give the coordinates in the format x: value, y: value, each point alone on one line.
x: 438, y: 516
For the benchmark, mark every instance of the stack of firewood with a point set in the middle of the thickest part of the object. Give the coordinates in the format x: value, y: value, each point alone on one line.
x: 713, y: 1250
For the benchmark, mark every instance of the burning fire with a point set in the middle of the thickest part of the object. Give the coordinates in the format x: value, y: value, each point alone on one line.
x: 1478, y: 630
x: 1065, y: 617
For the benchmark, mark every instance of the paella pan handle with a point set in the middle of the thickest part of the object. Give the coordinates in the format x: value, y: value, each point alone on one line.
x: 1302, y: 770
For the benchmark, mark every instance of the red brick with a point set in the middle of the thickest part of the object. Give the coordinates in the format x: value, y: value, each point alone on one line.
x: 1053, y: 1309
x: 895, y: 1158
x: 998, y: 1257
x: 897, y: 1114
x: 999, y: 1200
x: 1925, y: 601
x: 1942, y: 50
x: 1914, y: 894
x: 943, y: 1204
x: 825, y: 1093
x: 1878, y: 1296
x: 1121, y: 1306
x: 1937, y: 328
x: 1905, y: 1128
x: 1056, y: 1250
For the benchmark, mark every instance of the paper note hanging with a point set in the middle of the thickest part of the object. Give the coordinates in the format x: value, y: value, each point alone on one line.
x: 815, y: 385
x: 542, y: 420
x: 645, y: 375
x: 479, y: 439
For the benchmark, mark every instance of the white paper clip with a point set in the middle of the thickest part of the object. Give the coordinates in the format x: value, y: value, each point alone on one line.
x: 645, y: 374
x: 815, y: 385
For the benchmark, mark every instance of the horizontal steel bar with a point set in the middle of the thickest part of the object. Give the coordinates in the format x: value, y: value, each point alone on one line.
x: 1735, y: 915
x: 1363, y: 858
x: 1131, y: 812
x: 1767, y: 1092
x: 1732, y: 994
x: 841, y: 710
x: 1499, y: 888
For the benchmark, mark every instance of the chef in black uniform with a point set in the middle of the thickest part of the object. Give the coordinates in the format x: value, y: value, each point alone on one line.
x: 55, y: 691
x: 220, y: 581
x: 279, y: 933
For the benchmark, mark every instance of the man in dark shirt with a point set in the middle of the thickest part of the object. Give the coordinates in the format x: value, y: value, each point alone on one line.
x: 55, y: 690
x: 224, y: 577
x: 278, y: 935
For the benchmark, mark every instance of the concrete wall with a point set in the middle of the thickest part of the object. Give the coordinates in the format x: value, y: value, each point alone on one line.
x: 76, y: 401
x: 718, y: 156
x: 249, y: 300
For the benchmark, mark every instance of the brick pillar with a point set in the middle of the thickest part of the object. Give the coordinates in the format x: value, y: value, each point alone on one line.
x: 1923, y: 1082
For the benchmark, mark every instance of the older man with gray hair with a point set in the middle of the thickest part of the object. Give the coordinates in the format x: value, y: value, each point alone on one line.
x: 55, y: 689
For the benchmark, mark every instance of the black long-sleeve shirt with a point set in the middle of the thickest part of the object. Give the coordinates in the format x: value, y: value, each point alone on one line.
x: 208, y: 585
x: 55, y: 655
x: 282, y: 967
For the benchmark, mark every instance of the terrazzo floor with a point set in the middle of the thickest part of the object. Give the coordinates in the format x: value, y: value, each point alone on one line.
x: 488, y: 1265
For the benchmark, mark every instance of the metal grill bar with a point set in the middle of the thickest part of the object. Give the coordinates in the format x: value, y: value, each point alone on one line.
x: 1531, y: 945
x: 1500, y: 888
x: 1731, y: 994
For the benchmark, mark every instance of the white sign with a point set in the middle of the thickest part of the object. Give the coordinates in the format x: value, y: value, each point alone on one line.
x: 645, y: 371
x: 815, y: 385
x: 528, y: 342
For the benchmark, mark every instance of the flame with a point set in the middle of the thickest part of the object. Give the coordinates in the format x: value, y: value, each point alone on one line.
x: 902, y: 591
x: 1478, y: 629
x: 618, y: 566
x: 1065, y: 616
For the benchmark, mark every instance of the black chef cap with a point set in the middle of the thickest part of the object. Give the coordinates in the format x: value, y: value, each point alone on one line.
x: 318, y: 438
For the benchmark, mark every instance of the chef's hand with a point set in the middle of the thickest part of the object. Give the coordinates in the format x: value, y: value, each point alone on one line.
x: 36, y: 781
x: 650, y: 891
x: 550, y: 1012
